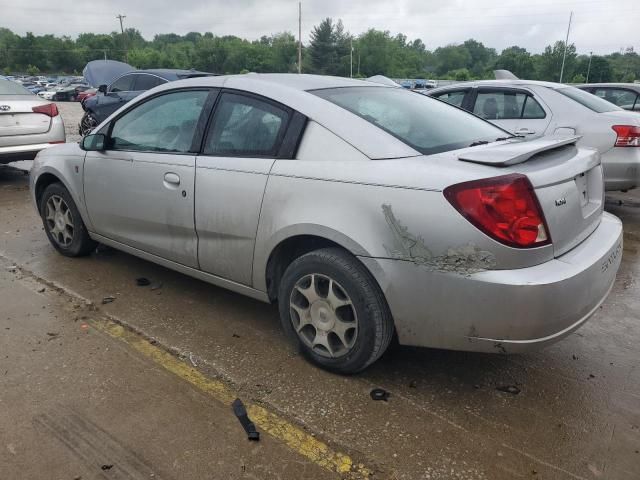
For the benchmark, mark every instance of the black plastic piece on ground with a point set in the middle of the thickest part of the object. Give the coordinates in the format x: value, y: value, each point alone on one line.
x: 241, y: 412
x: 142, y: 282
x: 379, y: 394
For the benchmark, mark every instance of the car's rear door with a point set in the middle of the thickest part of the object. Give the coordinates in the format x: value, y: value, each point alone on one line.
x: 513, y: 109
x: 622, y: 97
x: 245, y: 136
x: 140, y: 191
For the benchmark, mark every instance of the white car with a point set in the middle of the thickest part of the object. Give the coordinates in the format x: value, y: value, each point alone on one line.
x: 47, y: 94
x: 533, y: 109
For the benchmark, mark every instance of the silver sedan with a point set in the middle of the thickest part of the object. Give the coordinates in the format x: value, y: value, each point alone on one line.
x: 363, y: 210
x: 28, y: 123
x: 533, y: 109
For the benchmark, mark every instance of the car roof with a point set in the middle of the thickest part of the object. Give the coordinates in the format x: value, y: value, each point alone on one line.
x: 635, y: 86
x: 171, y: 74
x: 500, y: 83
x: 301, y: 82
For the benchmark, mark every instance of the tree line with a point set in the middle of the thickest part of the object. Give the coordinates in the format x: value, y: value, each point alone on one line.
x: 331, y: 51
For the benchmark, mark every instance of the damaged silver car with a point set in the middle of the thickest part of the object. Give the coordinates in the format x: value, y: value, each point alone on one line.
x: 363, y: 210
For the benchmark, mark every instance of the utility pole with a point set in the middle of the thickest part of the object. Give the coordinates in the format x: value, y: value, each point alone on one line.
x: 351, y: 59
x: 566, y: 45
x: 126, y: 53
x: 589, y: 67
x: 299, y: 37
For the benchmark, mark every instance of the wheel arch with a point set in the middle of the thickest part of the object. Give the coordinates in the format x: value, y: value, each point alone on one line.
x: 293, y: 243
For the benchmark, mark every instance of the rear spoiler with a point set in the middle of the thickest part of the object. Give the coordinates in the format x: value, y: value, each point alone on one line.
x: 514, y: 152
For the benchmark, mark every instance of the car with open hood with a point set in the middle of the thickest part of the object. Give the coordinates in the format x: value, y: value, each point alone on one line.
x: 533, y: 109
x: 364, y: 211
x: 119, y: 83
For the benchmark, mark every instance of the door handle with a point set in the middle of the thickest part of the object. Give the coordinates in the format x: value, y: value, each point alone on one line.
x: 524, y: 131
x: 172, y: 179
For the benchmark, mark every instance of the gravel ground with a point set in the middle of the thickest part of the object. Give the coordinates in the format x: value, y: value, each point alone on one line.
x: 71, y: 114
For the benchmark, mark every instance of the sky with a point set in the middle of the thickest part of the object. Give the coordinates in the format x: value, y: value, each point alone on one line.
x: 597, y: 25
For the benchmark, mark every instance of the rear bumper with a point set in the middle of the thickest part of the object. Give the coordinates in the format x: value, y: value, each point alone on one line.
x: 621, y: 166
x: 502, y: 311
x: 22, y: 152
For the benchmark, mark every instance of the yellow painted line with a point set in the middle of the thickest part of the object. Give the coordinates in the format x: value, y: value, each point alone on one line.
x: 295, y: 438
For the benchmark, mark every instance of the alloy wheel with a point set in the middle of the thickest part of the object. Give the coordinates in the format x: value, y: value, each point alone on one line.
x: 323, y: 315
x: 59, y: 220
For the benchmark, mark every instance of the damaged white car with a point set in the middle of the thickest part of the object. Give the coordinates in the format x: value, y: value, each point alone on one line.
x: 363, y: 210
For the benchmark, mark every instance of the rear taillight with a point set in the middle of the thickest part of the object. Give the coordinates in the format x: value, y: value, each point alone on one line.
x: 505, y: 208
x: 50, y: 109
x: 628, y: 135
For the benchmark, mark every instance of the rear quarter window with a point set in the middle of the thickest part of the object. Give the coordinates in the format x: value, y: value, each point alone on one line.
x: 587, y: 100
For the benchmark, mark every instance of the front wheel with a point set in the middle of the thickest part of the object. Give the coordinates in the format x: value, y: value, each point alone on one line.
x: 62, y: 222
x: 87, y: 123
x: 332, y: 307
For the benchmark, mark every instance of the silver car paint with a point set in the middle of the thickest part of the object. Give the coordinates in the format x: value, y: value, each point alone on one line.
x: 34, y: 131
x: 568, y: 117
x: 389, y: 213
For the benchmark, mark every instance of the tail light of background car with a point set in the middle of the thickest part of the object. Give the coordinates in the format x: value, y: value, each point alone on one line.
x: 505, y: 208
x: 50, y: 109
x: 628, y: 135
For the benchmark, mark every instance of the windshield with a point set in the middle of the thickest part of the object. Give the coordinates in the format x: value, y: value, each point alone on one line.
x: 588, y: 100
x: 426, y: 124
x: 7, y: 87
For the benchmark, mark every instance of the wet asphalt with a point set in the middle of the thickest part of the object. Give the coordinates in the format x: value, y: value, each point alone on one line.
x: 570, y: 411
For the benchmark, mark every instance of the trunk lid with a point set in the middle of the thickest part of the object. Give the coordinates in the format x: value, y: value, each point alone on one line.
x: 567, y: 180
x: 18, y: 118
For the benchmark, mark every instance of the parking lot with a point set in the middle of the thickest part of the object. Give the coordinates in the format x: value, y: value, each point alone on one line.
x: 114, y: 380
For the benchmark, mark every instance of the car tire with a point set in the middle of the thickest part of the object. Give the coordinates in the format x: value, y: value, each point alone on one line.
x: 348, y: 325
x: 63, y: 224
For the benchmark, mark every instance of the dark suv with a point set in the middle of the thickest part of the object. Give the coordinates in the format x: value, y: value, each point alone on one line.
x: 123, y: 89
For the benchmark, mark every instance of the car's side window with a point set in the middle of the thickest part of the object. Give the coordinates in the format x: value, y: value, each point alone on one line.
x: 620, y: 97
x: 454, y: 98
x: 507, y: 105
x: 166, y: 123
x: 245, y: 126
x: 123, y: 84
x: 147, y: 82
x: 532, y: 109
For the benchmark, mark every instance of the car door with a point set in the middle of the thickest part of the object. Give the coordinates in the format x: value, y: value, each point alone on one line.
x: 515, y: 110
x: 243, y: 141
x: 140, y: 190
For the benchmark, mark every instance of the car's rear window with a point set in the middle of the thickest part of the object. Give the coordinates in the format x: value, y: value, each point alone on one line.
x: 426, y: 124
x: 588, y: 100
x: 7, y: 87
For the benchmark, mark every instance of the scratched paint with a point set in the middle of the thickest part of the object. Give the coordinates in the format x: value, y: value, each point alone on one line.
x: 463, y: 259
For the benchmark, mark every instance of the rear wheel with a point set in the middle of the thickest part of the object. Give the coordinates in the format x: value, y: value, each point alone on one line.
x: 62, y: 223
x: 334, y: 310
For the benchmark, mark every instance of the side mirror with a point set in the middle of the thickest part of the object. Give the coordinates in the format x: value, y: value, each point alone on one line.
x: 102, y: 89
x: 94, y: 143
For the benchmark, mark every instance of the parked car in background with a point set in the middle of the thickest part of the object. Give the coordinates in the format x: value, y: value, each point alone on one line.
x: 28, y: 123
x: 70, y: 93
x: 82, y: 96
x: 47, y: 94
x: 534, y: 109
x: 362, y: 209
x: 120, y: 89
x: 624, y: 95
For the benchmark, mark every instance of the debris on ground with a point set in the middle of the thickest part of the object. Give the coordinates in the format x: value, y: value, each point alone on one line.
x: 413, y: 384
x: 143, y: 282
x: 156, y: 286
x: 192, y: 360
x: 12, y: 268
x: 108, y: 299
x: 379, y: 394
x: 52, y: 335
x: 241, y: 413
x: 512, y: 389
x: 106, y: 467
x: 41, y: 290
x: 235, y: 335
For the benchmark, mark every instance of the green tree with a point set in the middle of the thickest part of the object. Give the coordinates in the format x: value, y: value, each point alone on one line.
x: 550, y: 62
x: 517, y: 60
x: 328, y: 47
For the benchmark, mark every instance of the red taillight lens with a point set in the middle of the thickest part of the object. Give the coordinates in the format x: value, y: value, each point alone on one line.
x: 628, y: 135
x: 505, y: 208
x: 50, y: 109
